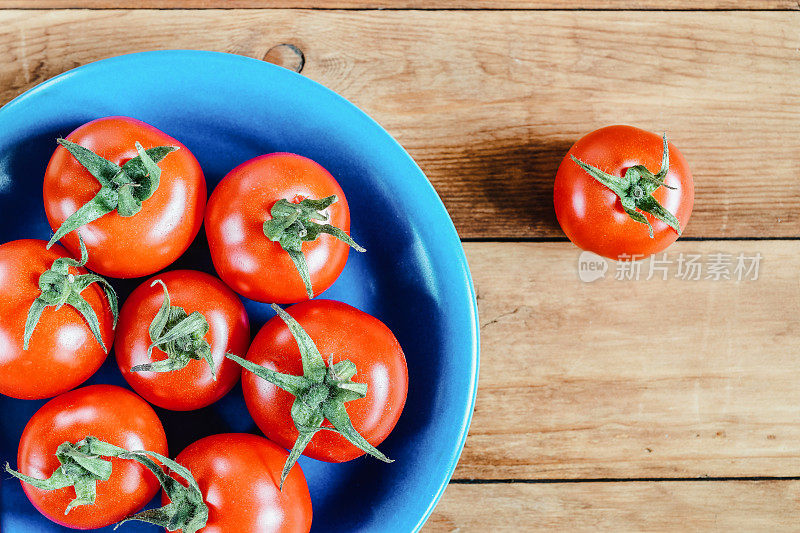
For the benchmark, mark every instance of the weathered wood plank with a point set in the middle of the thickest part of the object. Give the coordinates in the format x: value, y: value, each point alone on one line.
x: 407, y: 4
x: 616, y: 379
x: 488, y: 102
x: 666, y: 506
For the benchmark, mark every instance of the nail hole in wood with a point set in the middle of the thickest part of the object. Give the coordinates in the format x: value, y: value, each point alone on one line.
x: 287, y: 56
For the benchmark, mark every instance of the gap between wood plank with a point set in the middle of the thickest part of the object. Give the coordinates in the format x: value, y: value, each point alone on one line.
x: 683, y: 239
x: 619, y: 480
x: 423, y: 9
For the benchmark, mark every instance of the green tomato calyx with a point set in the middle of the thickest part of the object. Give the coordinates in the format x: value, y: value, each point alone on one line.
x: 178, y: 334
x: 85, y: 463
x: 123, y: 188
x: 320, y: 394
x: 81, y: 466
x: 635, y: 190
x: 292, y: 224
x: 59, y: 287
x: 186, y: 510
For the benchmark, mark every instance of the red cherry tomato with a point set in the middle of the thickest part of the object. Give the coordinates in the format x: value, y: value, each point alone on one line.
x: 194, y: 386
x: 342, y: 332
x: 238, y: 475
x: 591, y: 214
x: 244, y: 257
x: 63, y: 352
x: 153, y: 238
x: 112, y: 414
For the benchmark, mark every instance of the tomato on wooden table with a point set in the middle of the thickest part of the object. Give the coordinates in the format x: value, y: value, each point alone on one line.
x: 193, y: 380
x: 62, y: 349
x: 623, y: 192
x: 356, y: 384
x: 145, y: 214
x: 278, y: 228
x: 238, y: 475
x: 112, y: 414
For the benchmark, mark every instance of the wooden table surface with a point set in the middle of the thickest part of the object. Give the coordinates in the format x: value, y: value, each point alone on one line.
x: 619, y: 405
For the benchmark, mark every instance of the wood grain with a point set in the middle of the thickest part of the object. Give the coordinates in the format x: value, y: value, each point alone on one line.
x: 610, y: 379
x: 671, y: 506
x: 488, y: 102
x: 407, y: 4
x: 616, y: 379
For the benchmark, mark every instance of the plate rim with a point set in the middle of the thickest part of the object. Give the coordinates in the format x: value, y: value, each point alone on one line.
x: 171, y: 54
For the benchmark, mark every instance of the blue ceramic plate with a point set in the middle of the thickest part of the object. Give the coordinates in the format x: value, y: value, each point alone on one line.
x: 227, y: 109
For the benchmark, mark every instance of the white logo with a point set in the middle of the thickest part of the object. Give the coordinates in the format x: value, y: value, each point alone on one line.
x: 591, y: 267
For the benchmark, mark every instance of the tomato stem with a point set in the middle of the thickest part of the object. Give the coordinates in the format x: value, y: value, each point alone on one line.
x: 186, y: 511
x: 635, y: 190
x: 320, y: 394
x: 82, y: 466
x: 178, y: 334
x: 59, y: 287
x: 293, y: 223
x: 123, y: 189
